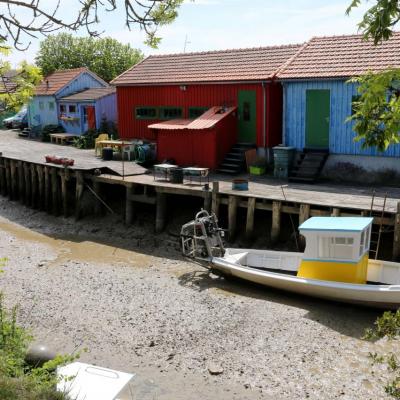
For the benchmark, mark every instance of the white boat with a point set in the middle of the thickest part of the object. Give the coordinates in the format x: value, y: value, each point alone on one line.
x: 334, y: 265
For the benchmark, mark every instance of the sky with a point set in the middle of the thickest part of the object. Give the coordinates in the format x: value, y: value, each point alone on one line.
x: 224, y: 24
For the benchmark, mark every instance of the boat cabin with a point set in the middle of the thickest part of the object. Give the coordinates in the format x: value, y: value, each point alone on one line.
x: 336, y: 248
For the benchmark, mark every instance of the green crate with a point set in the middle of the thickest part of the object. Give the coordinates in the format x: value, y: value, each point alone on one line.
x: 257, y: 170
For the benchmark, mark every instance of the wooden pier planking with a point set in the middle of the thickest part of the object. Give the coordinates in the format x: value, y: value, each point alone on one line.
x: 25, y: 175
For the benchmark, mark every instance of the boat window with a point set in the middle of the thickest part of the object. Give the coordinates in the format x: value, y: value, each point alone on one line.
x: 338, y: 248
x: 367, y: 238
x: 362, y: 242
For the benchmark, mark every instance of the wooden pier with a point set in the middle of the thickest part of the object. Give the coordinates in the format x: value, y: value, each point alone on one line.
x: 24, y: 176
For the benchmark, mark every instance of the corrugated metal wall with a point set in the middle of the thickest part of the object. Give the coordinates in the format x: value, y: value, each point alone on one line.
x: 194, y: 96
x: 341, y: 135
x: 205, y: 148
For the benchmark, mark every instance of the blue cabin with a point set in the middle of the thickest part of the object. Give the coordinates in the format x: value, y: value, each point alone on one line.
x: 85, y: 110
x: 318, y: 97
x: 44, y: 109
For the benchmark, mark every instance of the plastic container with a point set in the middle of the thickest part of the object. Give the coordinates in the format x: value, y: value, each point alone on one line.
x: 107, y: 153
x: 240, y: 184
x: 176, y: 175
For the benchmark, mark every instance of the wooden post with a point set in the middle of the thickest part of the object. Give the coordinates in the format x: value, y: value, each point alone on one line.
x: 161, y: 207
x: 251, y: 206
x: 232, y: 212
x: 396, y: 236
x: 207, y: 201
x: 129, y: 207
x: 27, y: 184
x: 98, y: 208
x: 64, y: 192
x: 34, y: 186
x: 39, y: 170
x: 21, y: 182
x: 215, y: 199
x: 46, y: 189
x: 8, y: 177
x: 54, y: 191
x: 304, y: 213
x: 78, y: 193
x: 14, y: 182
x: 3, y: 181
x: 276, y: 220
x: 335, y: 212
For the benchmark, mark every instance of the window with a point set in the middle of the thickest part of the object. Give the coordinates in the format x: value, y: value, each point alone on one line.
x: 51, y: 105
x: 246, y: 111
x: 354, y: 99
x: 170, y: 112
x: 146, y: 113
x: 195, y: 112
x: 63, y: 108
x: 72, y: 108
x: 336, y: 248
x: 41, y: 105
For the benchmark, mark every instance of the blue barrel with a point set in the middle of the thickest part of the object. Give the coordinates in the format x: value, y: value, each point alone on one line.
x: 240, y: 184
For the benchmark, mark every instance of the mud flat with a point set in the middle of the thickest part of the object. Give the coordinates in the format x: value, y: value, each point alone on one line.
x: 128, y: 297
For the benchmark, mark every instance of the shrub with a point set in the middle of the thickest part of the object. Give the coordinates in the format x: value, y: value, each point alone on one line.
x: 17, y: 379
x: 87, y: 140
x: 48, y: 129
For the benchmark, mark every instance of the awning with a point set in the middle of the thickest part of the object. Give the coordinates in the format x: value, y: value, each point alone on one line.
x: 206, y: 121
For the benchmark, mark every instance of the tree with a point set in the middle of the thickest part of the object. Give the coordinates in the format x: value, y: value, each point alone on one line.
x: 104, y: 56
x: 22, y: 20
x: 377, y: 109
x: 379, y: 20
x: 16, y: 86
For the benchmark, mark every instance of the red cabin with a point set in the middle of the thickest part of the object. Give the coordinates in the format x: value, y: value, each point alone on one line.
x: 170, y: 99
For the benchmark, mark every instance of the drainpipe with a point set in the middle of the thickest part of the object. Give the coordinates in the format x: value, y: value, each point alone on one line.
x: 283, y: 114
x: 264, y: 115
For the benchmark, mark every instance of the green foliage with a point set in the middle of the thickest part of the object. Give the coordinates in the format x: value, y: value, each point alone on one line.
x: 17, y: 379
x: 377, y: 109
x: 388, y: 325
x: 379, y: 20
x: 87, y: 140
x: 48, y: 129
x: 17, y: 86
x: 106, y: 57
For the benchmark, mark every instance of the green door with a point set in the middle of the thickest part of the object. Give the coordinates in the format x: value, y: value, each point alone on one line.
x: 247, y: 116
x: 318, y: 104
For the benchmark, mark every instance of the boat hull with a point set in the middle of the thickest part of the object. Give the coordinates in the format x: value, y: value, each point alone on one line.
x: 378, y: 296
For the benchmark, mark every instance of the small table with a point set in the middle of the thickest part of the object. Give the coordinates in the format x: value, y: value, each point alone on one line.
x: 164, y: 169
x: 120, y: 144
x: 197, y: 172
x: 62, y: 138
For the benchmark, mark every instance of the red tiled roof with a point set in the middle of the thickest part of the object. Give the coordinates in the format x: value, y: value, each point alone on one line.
x: 54, y: 82
x: 207, y: 120
x: 341, y: 57
x: 214, y: 66
x: 90, y: 94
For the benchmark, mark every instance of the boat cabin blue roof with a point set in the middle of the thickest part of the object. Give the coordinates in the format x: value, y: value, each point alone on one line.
x: 343, y: 224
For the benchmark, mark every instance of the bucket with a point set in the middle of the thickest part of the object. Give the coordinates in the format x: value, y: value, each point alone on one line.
x: 176, y: 175
x: 240, y: 184
x: 107, y: 153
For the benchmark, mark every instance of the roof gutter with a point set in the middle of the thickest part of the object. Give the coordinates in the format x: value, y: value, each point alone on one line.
x: 268, y: 80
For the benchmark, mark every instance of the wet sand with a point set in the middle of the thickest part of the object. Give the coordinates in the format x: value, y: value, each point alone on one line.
x: 129, y: 298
